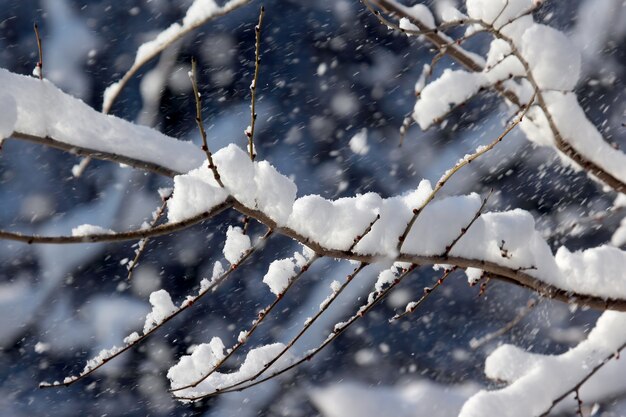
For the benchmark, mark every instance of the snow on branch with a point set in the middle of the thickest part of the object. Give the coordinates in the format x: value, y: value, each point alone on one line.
x: 525, y: 58
x: 537, y: 383
x: 46, y: 115
x: 199, y: 13
x: 163, y: 310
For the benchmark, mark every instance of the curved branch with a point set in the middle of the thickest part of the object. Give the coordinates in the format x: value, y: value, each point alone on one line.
x: 103, y: 155
x: 114, y: 90
x: 160, y: 230
x: 517, y: 276
x: 184, y: 306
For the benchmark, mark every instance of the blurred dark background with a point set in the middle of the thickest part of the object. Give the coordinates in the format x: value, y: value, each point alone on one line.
x: 328, y: 70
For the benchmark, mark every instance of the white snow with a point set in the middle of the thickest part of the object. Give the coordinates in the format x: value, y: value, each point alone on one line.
x: 449, y: 90
x: 279, y: 274
x: 473, y: 275
x: 422, y: 13
x: 191, y: 367
x: 8, y: 115
x: 45, y: 111
x: 236, y: 245
x: 554, y: 60
x: 90, y: 229
x: 162, y: 307
x: 358, y: 143
x: 536, y: 380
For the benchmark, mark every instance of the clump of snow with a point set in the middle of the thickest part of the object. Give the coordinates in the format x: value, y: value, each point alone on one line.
x: 275, y: 193
x: 199, y: 11
x: 473, y: 275
x: 8, y: 115
x: 358, y: 143
x: 421, y: 13
x: 191, y: 368
x: 236, y: 245
x: 537, y: 380
x: 449, y: 90
x: 90, y: 229
x: 218, y: 270
x: 131, y: 338
x: 194, y: 193
x: 257, y: 185
x: 554, y: 60
x: 279, y: 275
x: 188, y: 370
x: 162, y: 308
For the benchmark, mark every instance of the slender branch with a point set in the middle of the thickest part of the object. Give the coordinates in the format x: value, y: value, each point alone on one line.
x: 336, y: 332
x: 476, y: 343
x: 579, y: 384
x: 412, y: 306
x: 141, y: 245
x: 191, y: 300
x: 465, y: 161
x: 467, y: 227
x: 141, y: 233
x: 40, y: 62
x: 93, y: 153
x: 198, y: 101
x: 253, y: 86
x: 265, y: 312
x: 365, y: 232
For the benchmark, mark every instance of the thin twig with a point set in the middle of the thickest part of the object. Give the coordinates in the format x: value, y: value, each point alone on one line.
x: 40, y: 62
x: 412, y: 306
x: 141, y: 245
x: 191, y: 300
x: 198, y: 101
x: 467, y: 227
x: 465, y: 161
x: 337, y: 331
x: 253, y: 86
x: 476, y: 343
x: 265, y: 312
x: 365, y: 232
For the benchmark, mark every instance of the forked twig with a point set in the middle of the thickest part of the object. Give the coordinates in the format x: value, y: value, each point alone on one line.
x: 191, y: 300
x: 337, y: 331
x: 265, y: 312
x: 464, y: 161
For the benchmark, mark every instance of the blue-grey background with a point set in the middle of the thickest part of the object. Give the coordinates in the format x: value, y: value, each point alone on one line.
x: 328, y: 70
